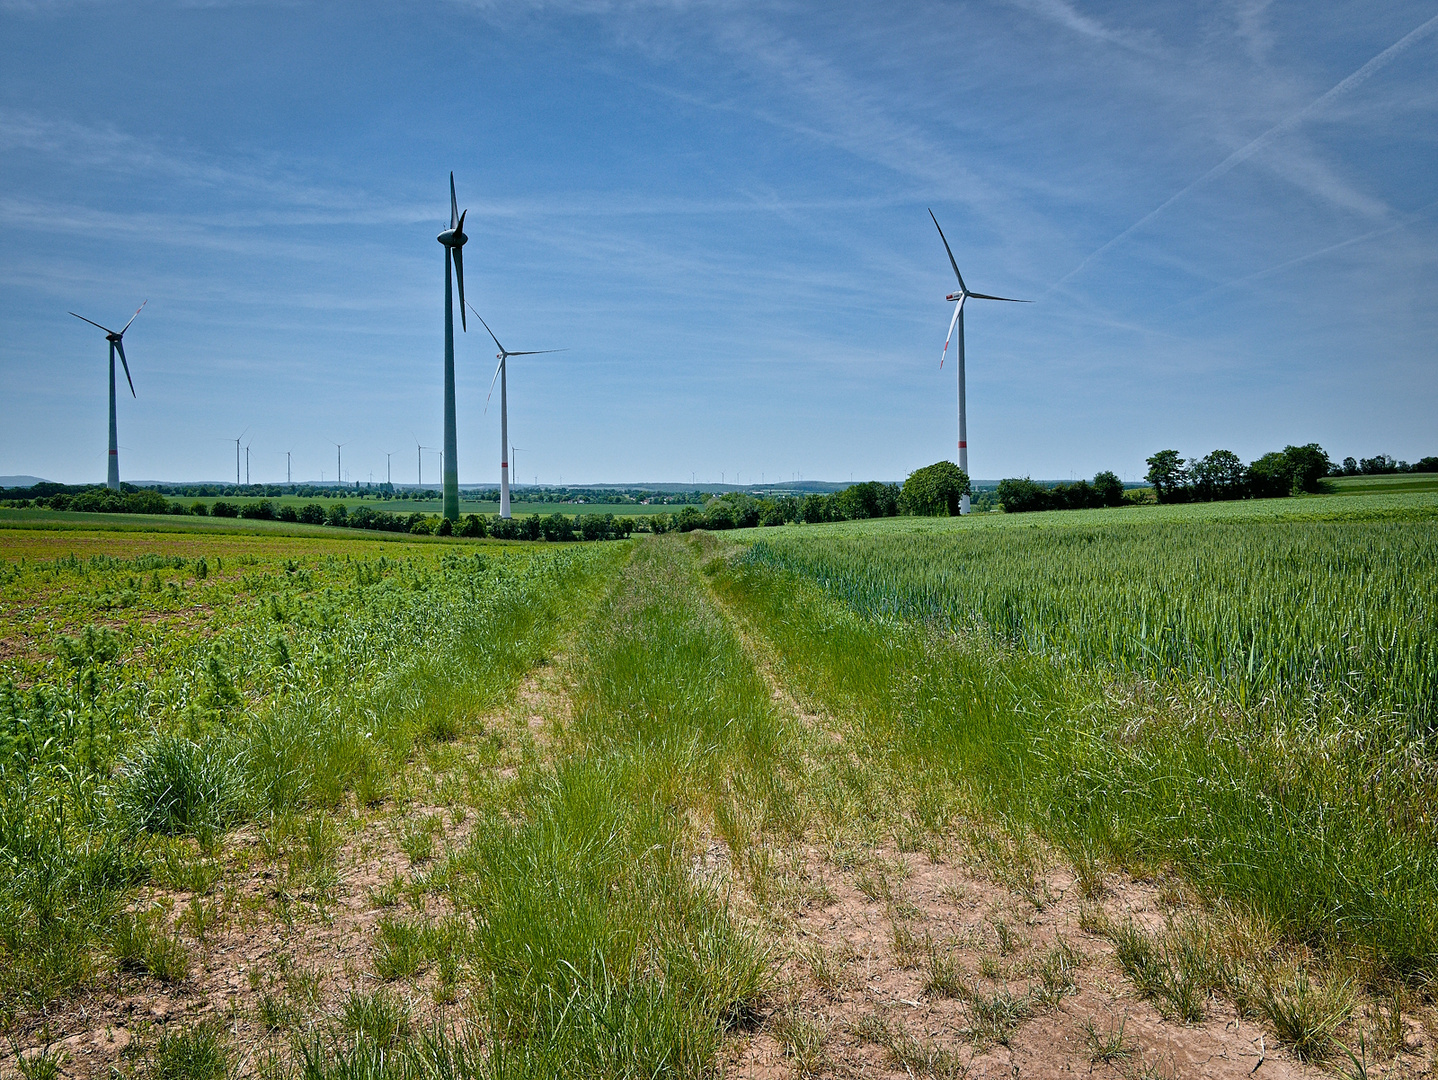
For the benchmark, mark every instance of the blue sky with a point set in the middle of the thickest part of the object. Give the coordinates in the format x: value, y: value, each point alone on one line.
x: 1226, y: 214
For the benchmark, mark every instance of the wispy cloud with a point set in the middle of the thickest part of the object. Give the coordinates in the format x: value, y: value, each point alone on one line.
x: 1271, y: 136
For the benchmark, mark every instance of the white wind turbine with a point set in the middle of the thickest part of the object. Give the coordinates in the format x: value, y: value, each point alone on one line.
x: 958, y: 319
x: 500, y: 374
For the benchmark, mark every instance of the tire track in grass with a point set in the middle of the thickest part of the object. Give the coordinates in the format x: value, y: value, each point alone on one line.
x: 939, y: 936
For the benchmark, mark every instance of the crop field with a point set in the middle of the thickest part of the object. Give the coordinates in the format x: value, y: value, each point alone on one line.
x: 1138, y: 792
x: 404, y: 505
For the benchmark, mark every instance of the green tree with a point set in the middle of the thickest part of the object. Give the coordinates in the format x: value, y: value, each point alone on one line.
x: 1108, y: 488
x: 935, y: 490
x: 1310, y: 464
x: 1165, y: 473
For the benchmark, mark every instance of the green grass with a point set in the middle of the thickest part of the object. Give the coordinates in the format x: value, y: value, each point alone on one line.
x: 1238, y: 694
x: 1314, y: 818
x: 1391, y: 483
x: 262, y: 683
x: 1344, y: 610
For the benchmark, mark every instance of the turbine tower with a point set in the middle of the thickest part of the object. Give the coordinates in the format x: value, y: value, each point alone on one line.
x: 453, y: 240
x: 500, y: 374
x: 117, y: 343
x: 514, y: 461
x: 962, y: 295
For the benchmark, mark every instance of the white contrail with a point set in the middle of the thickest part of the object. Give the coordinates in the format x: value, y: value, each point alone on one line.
x: 1301, y: 259
x: 1242, y: 154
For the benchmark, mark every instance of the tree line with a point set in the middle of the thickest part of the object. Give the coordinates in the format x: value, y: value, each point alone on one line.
x: 1294, y: 470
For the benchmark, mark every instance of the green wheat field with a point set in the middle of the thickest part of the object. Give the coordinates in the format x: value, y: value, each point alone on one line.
x: 373, y: 807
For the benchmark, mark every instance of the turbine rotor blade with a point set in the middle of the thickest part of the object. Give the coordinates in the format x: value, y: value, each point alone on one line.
x: 92, y: 322
x: 492, y: 379
x: 134, y: 316
x: 459, y: 277
x: 944, y: 356
x: 952, y: 262
x: 120, y: 346
x: 1010, y: 299
x: 535, y: 352
x: 453, y: 204
x: 480, y: 317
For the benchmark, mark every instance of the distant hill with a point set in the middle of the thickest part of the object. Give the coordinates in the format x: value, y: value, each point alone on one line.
x: 19, y: 481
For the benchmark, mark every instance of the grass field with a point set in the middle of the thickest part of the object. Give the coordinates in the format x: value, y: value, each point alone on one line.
x: 435, y: 506
x: 1393, y: 483
x: 911, y: 797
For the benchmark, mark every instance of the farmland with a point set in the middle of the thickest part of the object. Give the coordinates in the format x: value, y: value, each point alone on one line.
x: 907, y: 796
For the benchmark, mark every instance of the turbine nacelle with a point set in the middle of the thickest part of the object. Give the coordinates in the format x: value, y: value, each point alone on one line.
x: 955, y: 296
x: 454, y: 238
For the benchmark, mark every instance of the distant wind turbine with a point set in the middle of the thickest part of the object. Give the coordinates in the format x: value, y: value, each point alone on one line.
x: 962, y: 295
x: 514, y: 461
x: 453, y: 240
x: 501, y: 374
x: 117, y: 344
x: 339, y: 474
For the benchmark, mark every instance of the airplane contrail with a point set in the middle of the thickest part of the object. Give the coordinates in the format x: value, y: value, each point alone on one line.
x: 1242, y: 154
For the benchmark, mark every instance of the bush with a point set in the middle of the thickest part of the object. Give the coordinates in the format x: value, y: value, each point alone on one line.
x: 867, y: 500
x: 530, y: 528
x: 557, y: 527
x: 473, y: 526
x: 1108, y: 489
x: 718, y: 515
x: 336, y: 515
x: 287, y: 513
x: 688, y: 519
x: 173, y: 785
x: 445, y: 527
x: 222, y: 509
x: 264, y: 510
x: 933, y: 491
x: 312, y: 514
x: 1021, y: 495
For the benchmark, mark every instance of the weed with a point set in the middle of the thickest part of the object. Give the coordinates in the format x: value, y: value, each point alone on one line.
x: 379, y: 1016
x: 417, y: 839
x: 943, y: 978
x: 1170, y: 970
x: 994, y: 1016
x: 1056, y: 975
x: 803, y: 1039
x: 1106, y: 1046
x: 44, y: 1065
x: 142, y: 942
x: 172, y: 785
x: 1306, y: 1015
x: 924, y: 1058
x: 399, y: 949
x: 198, y: 917
x: 826, y: 970
x: 908, y: 946
x: 195, y: 1053
x: 872, y: 1027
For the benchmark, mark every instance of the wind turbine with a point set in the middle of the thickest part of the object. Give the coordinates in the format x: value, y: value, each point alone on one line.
x: 501, y: 374
x: 238, y: 437
x: 514, y: 460
x: 962, y: 295
x: 117, y: 344
x: 339, y: 475
x: 453, y: 240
